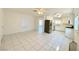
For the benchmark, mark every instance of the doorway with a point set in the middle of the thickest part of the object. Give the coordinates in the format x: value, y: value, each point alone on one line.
x: 58, y: 25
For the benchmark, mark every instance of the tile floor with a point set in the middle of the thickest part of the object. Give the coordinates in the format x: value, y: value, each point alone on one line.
x: 34, y: 41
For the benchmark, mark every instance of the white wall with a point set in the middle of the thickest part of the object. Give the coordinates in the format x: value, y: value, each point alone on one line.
x: 18, y: 22
x: 1, y: 15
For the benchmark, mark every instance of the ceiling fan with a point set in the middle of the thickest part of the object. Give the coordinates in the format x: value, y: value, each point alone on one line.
x: 39, y: 11
x: 58, y: 15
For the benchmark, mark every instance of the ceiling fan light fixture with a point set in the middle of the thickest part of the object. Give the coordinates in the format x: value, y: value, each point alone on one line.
x: 58, y: 15
x: 40, y: 11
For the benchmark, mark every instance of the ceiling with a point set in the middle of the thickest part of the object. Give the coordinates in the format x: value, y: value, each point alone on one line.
x: 22, y: 10
x: 49, y: 11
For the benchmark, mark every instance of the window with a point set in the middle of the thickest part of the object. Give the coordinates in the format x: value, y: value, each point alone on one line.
x: 41, y: 26
x: 76, y: 23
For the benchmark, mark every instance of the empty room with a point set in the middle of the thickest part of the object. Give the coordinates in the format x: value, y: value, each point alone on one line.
x: 39, y: 29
